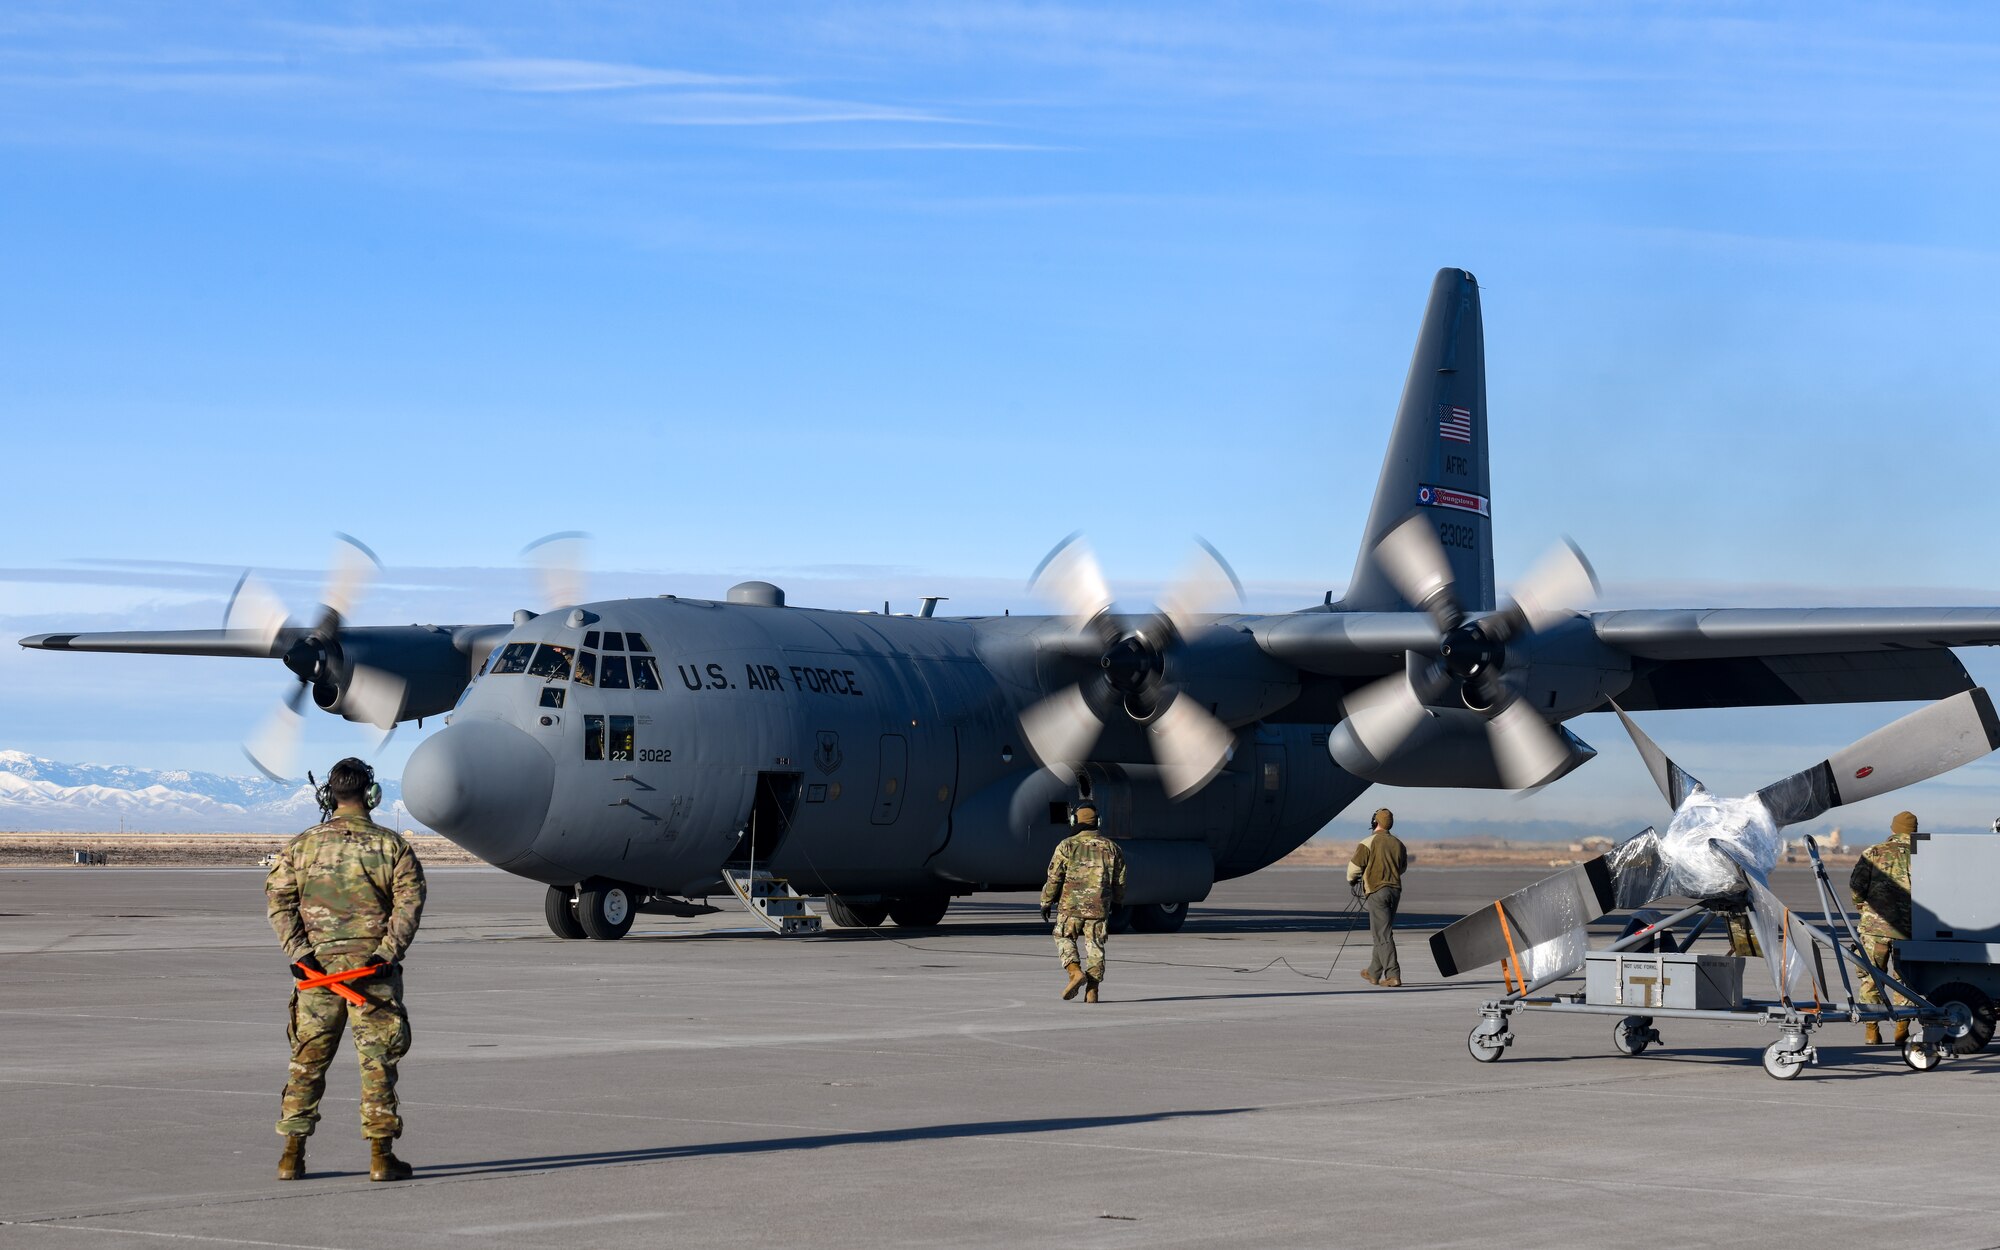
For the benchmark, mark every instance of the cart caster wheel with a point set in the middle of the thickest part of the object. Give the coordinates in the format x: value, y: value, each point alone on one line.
x: 1921, y: 1057
x: 1783, y: 1064
x: 1633, y: 1034
x: 1485, y: 1047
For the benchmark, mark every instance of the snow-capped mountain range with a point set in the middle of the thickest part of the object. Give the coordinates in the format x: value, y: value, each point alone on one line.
x: 38, y: 793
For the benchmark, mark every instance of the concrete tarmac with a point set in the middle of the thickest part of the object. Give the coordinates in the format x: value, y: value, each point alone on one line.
x: 704, y: 1083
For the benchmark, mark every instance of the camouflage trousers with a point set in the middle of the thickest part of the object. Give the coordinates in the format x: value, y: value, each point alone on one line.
x: 1081, y: 941
x: 1877, y: 947
x: 381, y: 1039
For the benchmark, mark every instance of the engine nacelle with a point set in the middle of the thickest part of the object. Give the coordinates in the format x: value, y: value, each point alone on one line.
x: 1450, y: 747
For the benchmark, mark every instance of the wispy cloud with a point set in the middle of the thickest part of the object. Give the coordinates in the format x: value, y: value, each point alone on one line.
x: 542, y: 75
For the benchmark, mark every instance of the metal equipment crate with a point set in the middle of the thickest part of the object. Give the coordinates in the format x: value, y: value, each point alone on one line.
x: 1689, y: 982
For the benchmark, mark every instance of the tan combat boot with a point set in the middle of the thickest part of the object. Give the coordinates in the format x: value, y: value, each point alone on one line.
x: 1902, y: 1031
x: 1090, y: 993
x: 1391, y: 982
x: 292, y: 1163
x: 383, y: 1165
x: 1872, y: 1035
x: 1076, y: 980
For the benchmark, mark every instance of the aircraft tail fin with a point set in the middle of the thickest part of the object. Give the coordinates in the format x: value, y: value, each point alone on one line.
x: 1437, y: 458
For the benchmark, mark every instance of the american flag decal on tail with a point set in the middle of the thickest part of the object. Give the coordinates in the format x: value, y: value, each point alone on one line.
x: 1455, y: 424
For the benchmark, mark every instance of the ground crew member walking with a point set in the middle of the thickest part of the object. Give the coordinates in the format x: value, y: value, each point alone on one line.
x: 1086, y: 882
x: 1376, y: 873
x: 1880, y: 884
x: 344, y: 894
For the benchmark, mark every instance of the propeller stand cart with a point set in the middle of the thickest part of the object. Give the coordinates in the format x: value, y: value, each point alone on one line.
x: 1648, y: 975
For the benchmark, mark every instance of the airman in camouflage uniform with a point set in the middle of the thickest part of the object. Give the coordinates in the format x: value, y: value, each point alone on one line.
x: 342, y: 894
x: 1880, y: 885
x: 1086, y: 882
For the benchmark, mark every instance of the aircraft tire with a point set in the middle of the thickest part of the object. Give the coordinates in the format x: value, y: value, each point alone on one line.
x: 560, y: 912
x: 1119, y: 921
x: 1159, y: 917
x: 855, y: 915
x: 922, y: 911
x: 605, y: 910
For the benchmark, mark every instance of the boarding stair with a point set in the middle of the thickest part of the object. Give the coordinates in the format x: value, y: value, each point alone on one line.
x: 773, y: 901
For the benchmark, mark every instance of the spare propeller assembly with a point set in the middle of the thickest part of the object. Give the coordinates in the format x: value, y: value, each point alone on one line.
x: 314, y: 654
x: 1470, y: 661
x: 1129, y: 666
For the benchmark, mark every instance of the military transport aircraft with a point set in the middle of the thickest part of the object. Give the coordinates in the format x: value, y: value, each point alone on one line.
x: 632, y: 752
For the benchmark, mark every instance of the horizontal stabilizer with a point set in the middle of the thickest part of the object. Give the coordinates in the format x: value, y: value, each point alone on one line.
x: 1543, y: 912
x: 1927, y: 742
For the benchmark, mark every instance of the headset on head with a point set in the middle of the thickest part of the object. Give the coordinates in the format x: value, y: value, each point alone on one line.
x: 1078, y: 804
x: 323, y: 791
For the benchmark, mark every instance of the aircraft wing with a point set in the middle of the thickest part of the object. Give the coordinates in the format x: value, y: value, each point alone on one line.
x: 429, y: 664
x: 1718, y: 633
x: 1775, y: 657
x: 239, y: 643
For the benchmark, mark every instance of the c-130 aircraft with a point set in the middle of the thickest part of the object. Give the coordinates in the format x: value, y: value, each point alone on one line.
x: 627, y: 753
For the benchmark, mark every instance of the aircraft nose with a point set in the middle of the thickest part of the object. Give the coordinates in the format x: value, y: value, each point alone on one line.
x: 483, y: 784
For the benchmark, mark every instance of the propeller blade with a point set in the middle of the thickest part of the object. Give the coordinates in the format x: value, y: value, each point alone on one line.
x: 1380, y: 717
x: 1415, y: 563
x: 1205, y: 583
x: 1929, y: 741
x: 255, y: 609
x: 1528, y: 752
x: 350, y: 574
x: 559, y: 563
x: 1061, y: 729
x: 274, y: 745
x: 1069, y: 575
x: 375, y: 695
x: 1190, y: 744
x: 1560, y: 583
x: 1674, y: 781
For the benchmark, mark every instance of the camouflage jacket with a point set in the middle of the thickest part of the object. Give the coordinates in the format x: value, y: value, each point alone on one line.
x: 347, y: 887
x: 1880, y: 885
x: 1086, y: 877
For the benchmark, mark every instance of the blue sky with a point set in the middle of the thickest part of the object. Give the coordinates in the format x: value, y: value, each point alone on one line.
x: 882, y: 299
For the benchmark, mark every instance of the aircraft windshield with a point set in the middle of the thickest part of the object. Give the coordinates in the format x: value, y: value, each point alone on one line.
x: 612, y: 676
x: 514, y: 657
x: 645, y: 674
x: 586, y: 669
x: 551, y: 663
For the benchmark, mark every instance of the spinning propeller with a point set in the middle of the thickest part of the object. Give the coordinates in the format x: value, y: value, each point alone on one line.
x: 315, y: 656
x: 1134, y: 666
x: 1471, y: 656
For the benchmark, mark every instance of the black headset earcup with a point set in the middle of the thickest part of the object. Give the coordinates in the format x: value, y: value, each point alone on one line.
x: 374, y: 796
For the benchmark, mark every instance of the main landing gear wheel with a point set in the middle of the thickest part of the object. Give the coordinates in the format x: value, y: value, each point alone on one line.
x: 1784, y: 1062
x: 855, y: 915
x: 1921, y: 1056
x: 921, y: 912
x: 605, y: 910
x: 1633, y: 1034
x: 1485, y: 1047
x: 1970, y: 1036
x: 559, y: 909
x: 1159, y: 917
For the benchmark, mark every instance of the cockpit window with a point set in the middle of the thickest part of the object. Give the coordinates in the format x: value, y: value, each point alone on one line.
x: 590, y: 640
x: 586, y: 669
x: 635, y: 642
x: 613, y: 676
x: 551, y: 663
x: 614, y: 641
x: 645, y: 674
x: 514, y: 657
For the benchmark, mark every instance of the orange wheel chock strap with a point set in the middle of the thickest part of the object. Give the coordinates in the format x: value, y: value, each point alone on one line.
x: 337, y: 981
x: 1512, y: 968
